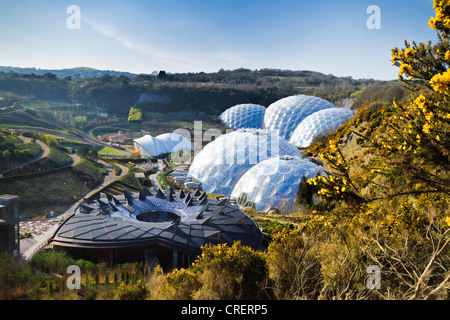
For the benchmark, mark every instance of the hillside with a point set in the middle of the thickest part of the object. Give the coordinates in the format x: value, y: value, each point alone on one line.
x: 201, y: 92
x: 80, y: 72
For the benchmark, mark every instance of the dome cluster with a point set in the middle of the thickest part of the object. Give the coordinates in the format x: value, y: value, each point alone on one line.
x: 320, y: 123
x: 222, y: 162
x: 284, y: 115
x: 262, y: 166
x: 274, y: 183
x: 298, y: 119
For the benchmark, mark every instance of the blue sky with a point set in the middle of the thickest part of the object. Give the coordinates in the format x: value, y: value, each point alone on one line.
x: 142, y: 36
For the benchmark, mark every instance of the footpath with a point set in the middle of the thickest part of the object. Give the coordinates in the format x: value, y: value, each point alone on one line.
x: 43, y: 229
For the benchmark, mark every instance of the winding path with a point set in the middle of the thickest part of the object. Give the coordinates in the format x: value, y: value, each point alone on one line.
x: 36, y: 243
x: 44, y: 153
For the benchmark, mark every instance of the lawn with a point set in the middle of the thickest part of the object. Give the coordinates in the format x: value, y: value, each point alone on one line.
x: 109, y: 150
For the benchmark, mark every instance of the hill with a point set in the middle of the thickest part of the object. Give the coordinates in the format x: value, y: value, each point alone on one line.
x: 80, y: 72
x: 209, y: 93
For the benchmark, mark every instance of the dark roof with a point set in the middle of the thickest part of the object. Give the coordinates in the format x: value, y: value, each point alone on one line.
x: 114, y: 221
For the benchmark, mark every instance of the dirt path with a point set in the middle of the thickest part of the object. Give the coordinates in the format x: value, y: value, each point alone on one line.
x: 33, y: 244
x: 75, y: 158
x: 44, y: 153
x: 109, y: 178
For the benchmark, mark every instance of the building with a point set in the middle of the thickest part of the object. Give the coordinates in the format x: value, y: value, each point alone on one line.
x: 153, y: 225
x: 244, y: 116
x: 163, y: 144
x: 284, y: 115
x: 9, y: 224
x: 223, y: 161
x: 274, y: 183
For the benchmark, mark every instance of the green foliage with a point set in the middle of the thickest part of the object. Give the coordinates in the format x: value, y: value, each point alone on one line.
x: 231, y: 272
x: 52, y: 262
x: 91, y: 168
x: 137, y: 291
x: 105, y: 129
x: 180, y: 284
x: 59, y: 158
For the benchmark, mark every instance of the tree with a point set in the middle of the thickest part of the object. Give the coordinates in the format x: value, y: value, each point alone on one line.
x: 162, y: 74
x: 83, y: 152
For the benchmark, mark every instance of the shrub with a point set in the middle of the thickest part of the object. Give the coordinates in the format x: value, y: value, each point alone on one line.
x: 137, y: 291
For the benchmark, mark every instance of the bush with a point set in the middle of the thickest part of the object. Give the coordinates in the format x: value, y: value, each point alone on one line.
x: 137, y: 291
x: 52, y: 262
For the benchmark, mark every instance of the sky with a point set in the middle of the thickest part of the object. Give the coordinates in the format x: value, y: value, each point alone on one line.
x: 178, y: 36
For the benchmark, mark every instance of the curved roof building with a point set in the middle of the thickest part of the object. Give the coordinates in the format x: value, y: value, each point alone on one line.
x: 165, y: 143
x: 274, y: 183
x: 284, y: 115
x: 222, y: 162
x: 171, y: 227
x: 320, y: 123
x: 244, y: 116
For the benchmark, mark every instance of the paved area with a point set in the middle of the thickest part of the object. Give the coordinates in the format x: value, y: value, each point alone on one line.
x: 43, y: 229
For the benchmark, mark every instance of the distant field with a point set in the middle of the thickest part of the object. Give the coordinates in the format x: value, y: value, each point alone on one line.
x: 21, y: 118
x: 41, y: 104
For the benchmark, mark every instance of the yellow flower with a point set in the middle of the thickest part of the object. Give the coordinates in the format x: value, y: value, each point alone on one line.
x: 426, y: 128
x: 441, y: 82
x: 438, y: 138
x: 447, y: 55
x: 447, y: 220
x: 405, y: 68
x: 432, y: 23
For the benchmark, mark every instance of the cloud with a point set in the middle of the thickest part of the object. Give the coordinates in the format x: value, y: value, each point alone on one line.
x: 157, y: 54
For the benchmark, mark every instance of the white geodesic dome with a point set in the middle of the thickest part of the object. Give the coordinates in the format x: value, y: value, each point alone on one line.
x: 320, y: 123
x: 284, y: 115
x: 222, y: 162
x: 243, y: 116
x: 274, y: 183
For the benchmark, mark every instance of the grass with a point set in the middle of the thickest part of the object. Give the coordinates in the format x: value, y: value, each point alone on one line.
x: 42, y: 194
x: 32, y: 147
x: 91, y: 168
x: 109, y: 150
x: 60, y: 158
x: 21, y: 118
x: 41, y: 104
x: 130, y: 181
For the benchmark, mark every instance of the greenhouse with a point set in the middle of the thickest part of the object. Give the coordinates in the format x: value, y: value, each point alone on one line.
x: 162, y: 144
x: 273, y: 183
x: 243, y: 116
x: 221, y: 163
x: 320, y: 123
x: 284, y: 115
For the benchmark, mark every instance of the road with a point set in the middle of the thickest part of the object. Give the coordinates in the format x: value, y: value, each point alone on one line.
x: 158, y: 171
x: 32, y: 245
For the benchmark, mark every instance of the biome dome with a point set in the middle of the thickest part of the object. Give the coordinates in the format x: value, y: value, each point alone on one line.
x: 320, y: 123
x: 284, y: 115
x: 243, y: 116
x: 221, y: 163
x: 274, y: 183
